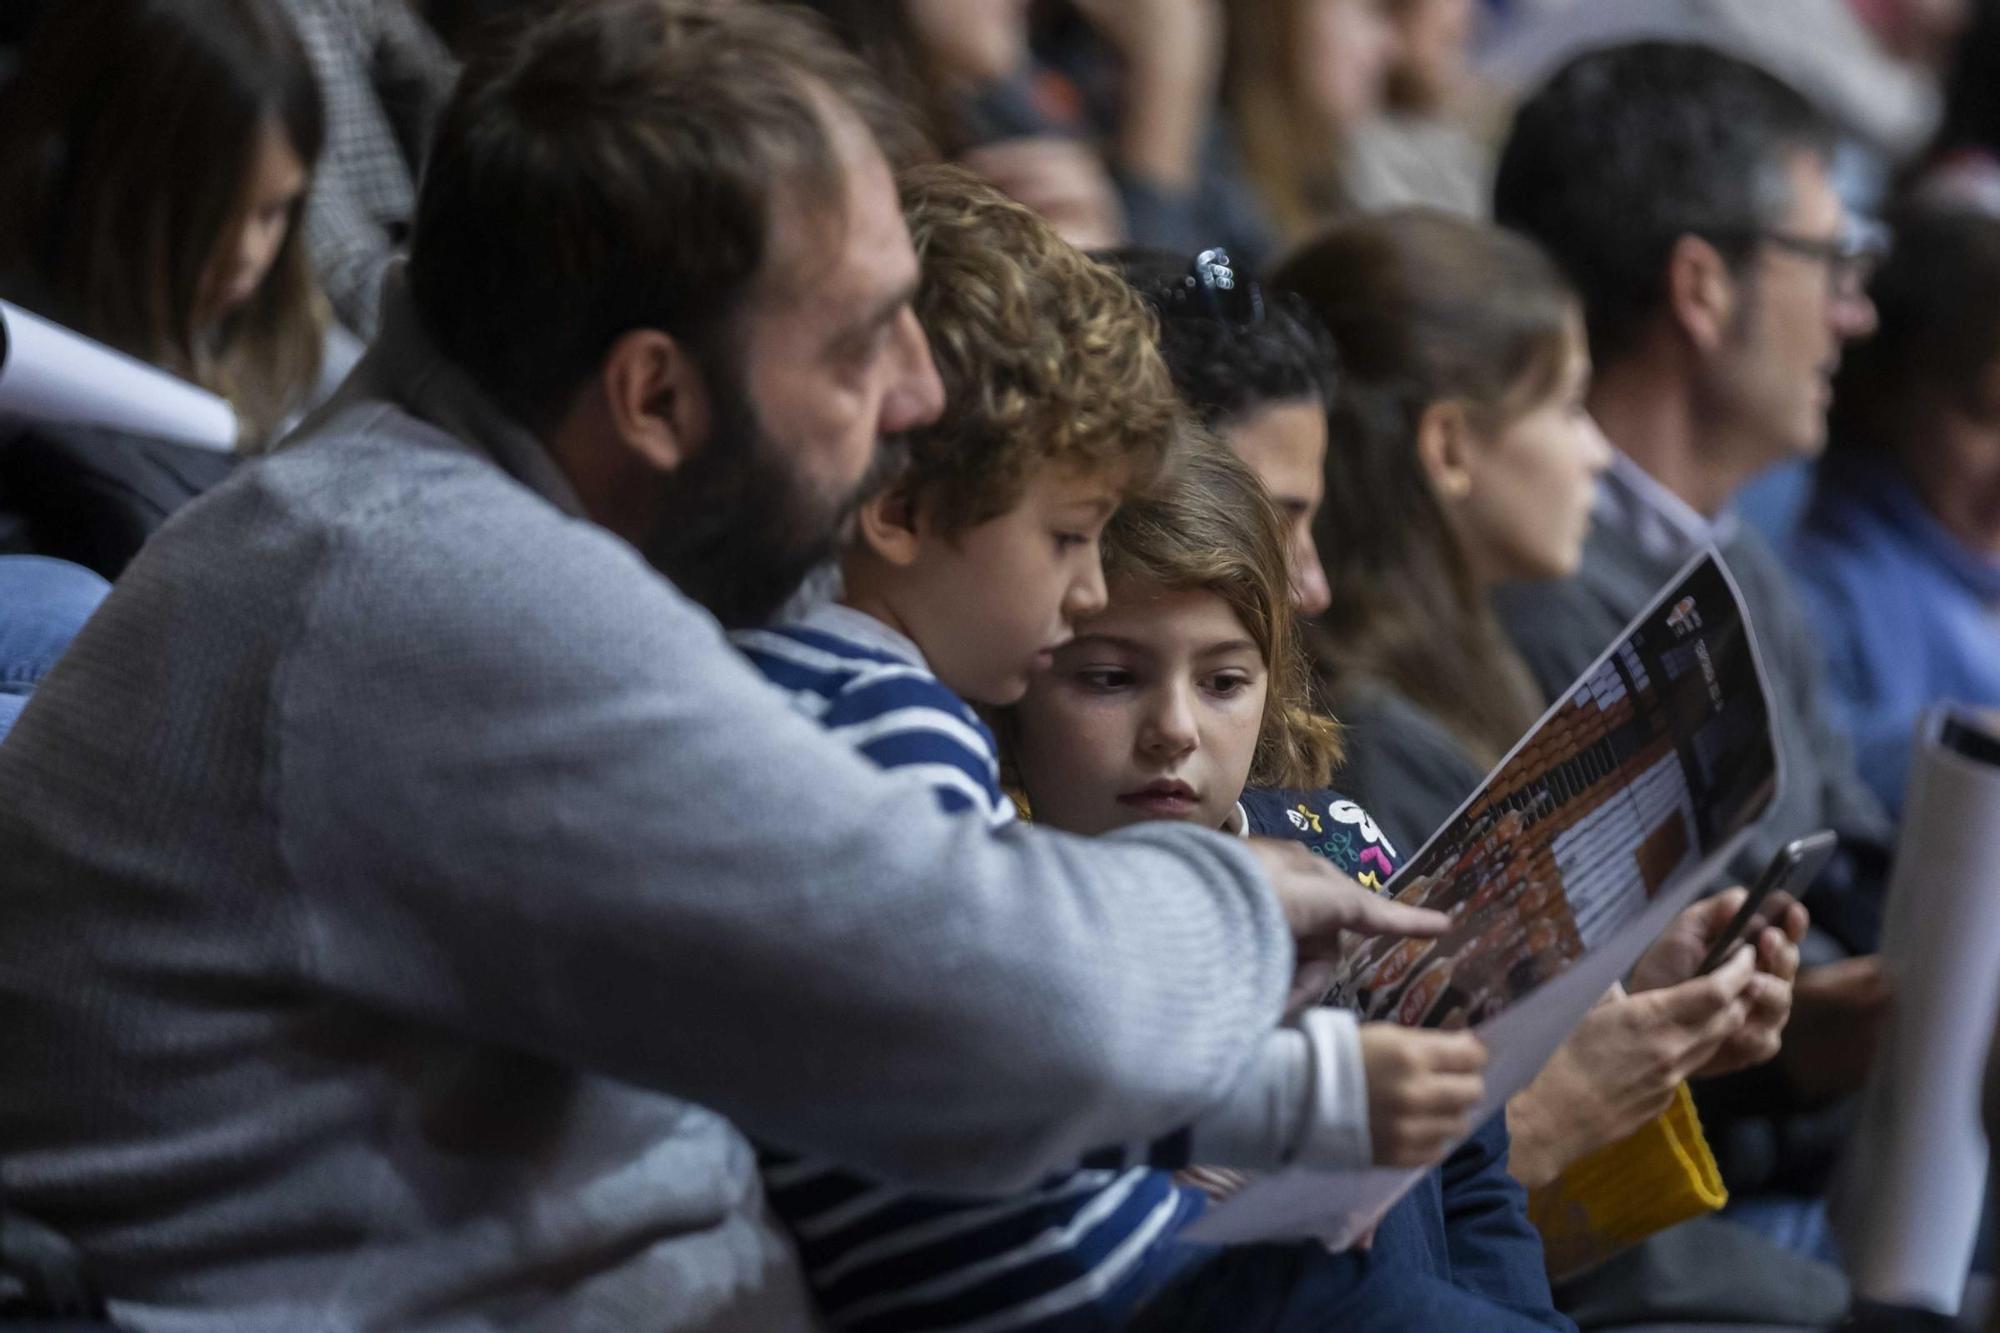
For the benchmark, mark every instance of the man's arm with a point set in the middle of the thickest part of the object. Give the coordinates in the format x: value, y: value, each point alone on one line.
x: 539, y: 800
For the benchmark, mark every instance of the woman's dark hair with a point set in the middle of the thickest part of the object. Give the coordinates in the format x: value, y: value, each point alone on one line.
x: 1227, y: 368
x: 1425, y: 308
x: 126, y: 144
x: 1937, y: 299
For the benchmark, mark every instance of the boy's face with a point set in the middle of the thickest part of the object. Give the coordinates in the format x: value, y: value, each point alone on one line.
x: 992, y: 604
x: 1153, y: 712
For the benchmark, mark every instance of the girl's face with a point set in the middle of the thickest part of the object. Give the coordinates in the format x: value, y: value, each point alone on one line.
x: 1523, y: 507
x: 277, y: 182
x: 1152, y: 712
x: 1345, y: 50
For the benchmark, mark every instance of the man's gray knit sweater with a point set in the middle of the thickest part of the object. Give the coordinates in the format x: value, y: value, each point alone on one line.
x: 397, y: 869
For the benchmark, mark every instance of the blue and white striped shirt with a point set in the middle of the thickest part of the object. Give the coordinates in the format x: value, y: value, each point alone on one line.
x: 1083, y: 1248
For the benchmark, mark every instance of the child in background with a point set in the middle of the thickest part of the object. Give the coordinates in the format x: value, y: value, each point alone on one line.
x: 155, y: 156
x: 966, y: 576
x: 1187, y: 698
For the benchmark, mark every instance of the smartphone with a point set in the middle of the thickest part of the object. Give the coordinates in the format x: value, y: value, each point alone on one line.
x: 1796, y: 865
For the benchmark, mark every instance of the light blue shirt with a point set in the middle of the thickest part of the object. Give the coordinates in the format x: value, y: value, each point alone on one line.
x: 1907, y: 614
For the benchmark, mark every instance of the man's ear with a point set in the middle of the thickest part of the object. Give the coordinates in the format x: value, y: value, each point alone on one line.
x: 888, y: 527
x: 655, y: 398
x: 1444, y: 448
x: 1701, y: 293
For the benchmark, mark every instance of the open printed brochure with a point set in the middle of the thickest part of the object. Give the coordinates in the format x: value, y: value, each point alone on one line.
x: 1606, y: 820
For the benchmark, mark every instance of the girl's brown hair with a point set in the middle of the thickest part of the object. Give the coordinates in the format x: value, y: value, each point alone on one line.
x: 1210, y: 526
x: 1425, y: 308
x: 125, y: 149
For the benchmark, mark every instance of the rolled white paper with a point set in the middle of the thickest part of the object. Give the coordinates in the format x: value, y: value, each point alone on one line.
x: 1906, y: 1203
x: 48, y: 373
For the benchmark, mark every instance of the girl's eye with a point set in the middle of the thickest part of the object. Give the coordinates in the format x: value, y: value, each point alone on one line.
x: 1069, y: 541
x: 1228, y: 686
x: 1104, y: 679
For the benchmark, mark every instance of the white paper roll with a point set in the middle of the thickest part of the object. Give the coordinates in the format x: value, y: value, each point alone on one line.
x: 48, y: 373
x: 1907, y: 1202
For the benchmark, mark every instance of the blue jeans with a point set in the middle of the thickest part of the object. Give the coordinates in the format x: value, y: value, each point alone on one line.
x: 43, y: 603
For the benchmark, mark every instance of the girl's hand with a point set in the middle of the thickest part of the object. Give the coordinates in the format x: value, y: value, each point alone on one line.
x: 1423, y: 1087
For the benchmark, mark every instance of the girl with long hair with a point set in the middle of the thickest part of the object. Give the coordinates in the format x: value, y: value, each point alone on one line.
x: 154, y: 156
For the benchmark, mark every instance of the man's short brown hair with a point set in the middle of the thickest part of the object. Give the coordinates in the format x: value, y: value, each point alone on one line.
x: 1047, y: 356
x: 616, y: 165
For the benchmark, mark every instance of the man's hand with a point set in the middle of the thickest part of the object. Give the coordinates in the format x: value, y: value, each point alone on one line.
x: 1319, y: 902
x: 1774, y: 936
x: 1838, y: 1014
x: 1620, y: 1067
x: 1423, y: 1087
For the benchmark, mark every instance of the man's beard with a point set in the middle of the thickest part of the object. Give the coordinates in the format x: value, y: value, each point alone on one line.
x: 740, y: 528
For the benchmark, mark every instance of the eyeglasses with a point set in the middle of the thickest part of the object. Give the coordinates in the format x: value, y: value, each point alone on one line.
x: 1851, y: 258
x: 1213, y: 289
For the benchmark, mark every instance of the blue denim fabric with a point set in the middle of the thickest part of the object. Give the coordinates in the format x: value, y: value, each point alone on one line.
x: 1457, y: 1252
x: 43, y: 603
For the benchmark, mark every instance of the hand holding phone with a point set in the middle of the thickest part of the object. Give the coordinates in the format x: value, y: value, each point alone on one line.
x: 1797, y: 864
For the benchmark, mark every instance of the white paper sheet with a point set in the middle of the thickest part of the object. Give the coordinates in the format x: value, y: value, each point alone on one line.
x: 1906, y: 1204
x: 48, y: 373
x: 1613, y: 814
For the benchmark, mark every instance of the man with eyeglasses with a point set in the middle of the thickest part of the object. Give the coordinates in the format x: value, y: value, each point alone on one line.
x: 1686, y: 194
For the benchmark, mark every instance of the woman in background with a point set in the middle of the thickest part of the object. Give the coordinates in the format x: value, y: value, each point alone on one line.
x: 1898, y: 555
x: 154, y: 156
x: 1257, y: 371
x: 1301, y: 76
x: 1462, y: 456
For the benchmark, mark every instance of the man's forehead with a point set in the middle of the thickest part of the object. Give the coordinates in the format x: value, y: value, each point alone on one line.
x: 841, y: 245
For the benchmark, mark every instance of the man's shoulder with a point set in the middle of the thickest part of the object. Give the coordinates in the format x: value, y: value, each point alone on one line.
x: 377, y: 529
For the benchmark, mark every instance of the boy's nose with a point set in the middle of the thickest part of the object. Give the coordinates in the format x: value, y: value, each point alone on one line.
x: 1087, y: 595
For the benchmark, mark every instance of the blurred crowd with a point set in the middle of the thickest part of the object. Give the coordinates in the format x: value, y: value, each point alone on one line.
x: 1378, y: 359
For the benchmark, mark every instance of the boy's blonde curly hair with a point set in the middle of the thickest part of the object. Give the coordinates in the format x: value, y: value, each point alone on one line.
x: 1048, y: 358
